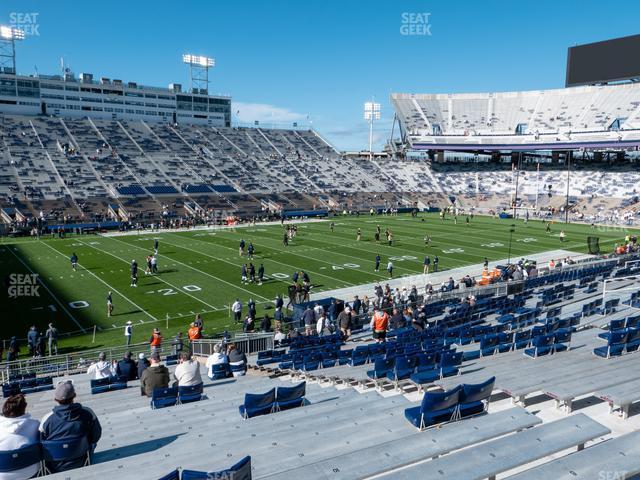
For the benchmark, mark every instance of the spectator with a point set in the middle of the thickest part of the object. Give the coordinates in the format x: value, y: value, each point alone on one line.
x: 309, y: 319
x: 397, y: 319
x: 236, y: 308
x: 128, y: 332
x: 156, y: 376
x: 199, y: 322
x: 265, y: 324
x: 194, y: 333
x: 143, y: 363
x: 278, y: 317
x: 101, y: 368
x: 18, y: 429
x: 52, y: 338
x: 69, y: 420
x: 322, y: 325
x: 379, y: 324
x: 187, y: 373
x: 237, y: 358
x: 155, y: 341
x: 14, y: 350
x: 216, y: 358
x: 177, y: 344
x: 278, y: 337
x: 344, y: 321
x: 127, y: 367
x: 32, y: 340
x: 247, y: 326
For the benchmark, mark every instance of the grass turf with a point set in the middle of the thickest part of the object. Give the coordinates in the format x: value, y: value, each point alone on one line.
x: 199, y: 271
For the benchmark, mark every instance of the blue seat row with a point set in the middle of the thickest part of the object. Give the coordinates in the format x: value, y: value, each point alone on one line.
x: 44, y: 452
x: 107, y: 384
x: 549, y: 343
x: 460, y: 402
x: 276, y: 399
x: 239, y: 471
x: 170, y: 396
x: 618, y: 342
x: 27, y: 385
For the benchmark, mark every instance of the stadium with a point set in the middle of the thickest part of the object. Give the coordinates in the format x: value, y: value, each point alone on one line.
x: 448, y: 287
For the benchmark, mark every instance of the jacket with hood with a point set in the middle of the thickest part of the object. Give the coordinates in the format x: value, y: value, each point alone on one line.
x: 68, y: 421
x: 16, y: 433
x: 155, y: 376
x: 128, y: 368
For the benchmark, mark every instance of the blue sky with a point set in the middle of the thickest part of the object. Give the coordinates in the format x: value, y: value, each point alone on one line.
x: 286, y: 60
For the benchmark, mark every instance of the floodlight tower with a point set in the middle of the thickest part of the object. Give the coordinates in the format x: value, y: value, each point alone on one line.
x: 371, y: 114
x: 8, y: 38
x: 198, y: 71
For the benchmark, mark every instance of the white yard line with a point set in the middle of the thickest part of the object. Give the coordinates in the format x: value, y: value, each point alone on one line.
x: 62, y: 305
x: 105, y: 283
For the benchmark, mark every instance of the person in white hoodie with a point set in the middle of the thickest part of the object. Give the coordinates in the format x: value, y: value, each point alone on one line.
x: 18, y: 429
x: 102, y: 368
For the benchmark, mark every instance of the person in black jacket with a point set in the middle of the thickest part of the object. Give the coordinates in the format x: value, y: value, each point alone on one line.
x: 127, y: 367
x: 69, y: 420
x: 143, y: 363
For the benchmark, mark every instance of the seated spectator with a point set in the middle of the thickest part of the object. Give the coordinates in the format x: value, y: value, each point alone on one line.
x: 216, y: 358
x: 17, y: 430
x: 278, y: 337
x: 143, y: 363
x: 187, y: 372
x: 127, y: 367
x: 155, y: 376
x: 102, y: 368
x: 237, y: 357
x: 69, y: 420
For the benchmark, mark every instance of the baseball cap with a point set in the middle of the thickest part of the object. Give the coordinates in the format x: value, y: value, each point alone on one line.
x: 64, y: 391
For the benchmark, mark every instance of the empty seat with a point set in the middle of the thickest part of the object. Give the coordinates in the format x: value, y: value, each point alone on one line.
x: 258, y: 404
x: 436, y: 407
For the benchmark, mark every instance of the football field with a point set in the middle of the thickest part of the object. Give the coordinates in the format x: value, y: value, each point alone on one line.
x: 200, y: 270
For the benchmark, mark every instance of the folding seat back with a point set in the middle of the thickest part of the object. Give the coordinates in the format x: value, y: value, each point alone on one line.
x: 191, y: 393
x: 425, y: 361
x: 69, y: 449
x: 175, y: 475
x: 99, y: 385
x: 474, y: 398
x: 290, y: 397
x: 437, y: 407
x: 632, y: 321
x: 239, y: 471
x: 164, y: 397
x: 258, y: 403
x: 219, y: 371
x: 12, y: 460
x: 538, y: 330
x: 633, y: 339
x: 616, y: 324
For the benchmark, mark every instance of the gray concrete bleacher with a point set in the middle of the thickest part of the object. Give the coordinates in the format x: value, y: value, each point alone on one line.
x: 506, y: 453
x: 614, y: 459
x: 623, y: 395
x: 424, y: 445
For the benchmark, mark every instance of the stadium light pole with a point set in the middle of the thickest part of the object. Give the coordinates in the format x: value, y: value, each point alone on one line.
x: 199, y: 66
x: 371, y: 114
x: 8, y: 38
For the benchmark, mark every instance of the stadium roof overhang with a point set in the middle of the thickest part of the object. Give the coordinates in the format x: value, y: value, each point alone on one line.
x: 528, y: 147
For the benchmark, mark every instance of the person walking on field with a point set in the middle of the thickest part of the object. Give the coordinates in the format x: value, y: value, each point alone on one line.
x: 52, y: 337
x: 109, y: 304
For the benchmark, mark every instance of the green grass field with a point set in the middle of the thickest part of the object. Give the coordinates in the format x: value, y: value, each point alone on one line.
x: 199, y: 271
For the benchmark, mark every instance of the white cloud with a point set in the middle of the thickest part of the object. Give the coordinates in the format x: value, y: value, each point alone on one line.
x: 249, y: 112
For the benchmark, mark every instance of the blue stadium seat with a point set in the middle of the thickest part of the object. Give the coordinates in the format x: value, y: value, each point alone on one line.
x: 175, y: 475
x: 239, y: 471
x: 12, y: 460
x: 474, y: 398
x: 541, y: 345
x: 633, y: 340
x: 562, y: 340
x: 435, y: 408
x: 164, y: 397
x: 192, y: 393
x: 290, y: 397
x: 219, y: 371
x: 381, y: 367
x: 258, y: 404
x: 65, y: 450
x: 615, y: 345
